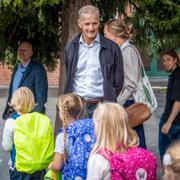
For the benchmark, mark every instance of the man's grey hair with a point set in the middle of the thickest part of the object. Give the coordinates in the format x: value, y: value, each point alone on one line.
x: 89, y: 9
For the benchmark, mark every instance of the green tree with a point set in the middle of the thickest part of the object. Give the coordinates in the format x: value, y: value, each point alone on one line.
x: 50, y: 24
x: 69, y: 30
x: 38, y: 21
x: 156, y: 22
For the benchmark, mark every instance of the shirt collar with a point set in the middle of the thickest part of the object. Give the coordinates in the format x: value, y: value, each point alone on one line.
x: 24, y: 66
x: 96, y: 40
x: 126, y: 43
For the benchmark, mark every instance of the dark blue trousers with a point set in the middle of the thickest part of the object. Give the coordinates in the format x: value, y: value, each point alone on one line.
x: 15, y: 175
x: 165, y: 140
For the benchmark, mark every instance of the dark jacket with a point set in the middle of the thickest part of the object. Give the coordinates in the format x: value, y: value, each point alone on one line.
x: 34, y: 78
x: 172, y: 95
x: 111, y: 64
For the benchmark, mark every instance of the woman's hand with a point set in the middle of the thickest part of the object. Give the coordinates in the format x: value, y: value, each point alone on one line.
x: 165, y: 128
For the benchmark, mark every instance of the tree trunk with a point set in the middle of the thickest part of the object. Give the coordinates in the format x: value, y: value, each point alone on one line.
x: 69, y: 30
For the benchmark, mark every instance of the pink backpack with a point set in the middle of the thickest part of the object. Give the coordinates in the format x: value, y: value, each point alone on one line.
x: 135, y: 164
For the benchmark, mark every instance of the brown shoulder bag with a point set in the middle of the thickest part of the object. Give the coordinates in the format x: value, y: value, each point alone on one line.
x: 137, y: 114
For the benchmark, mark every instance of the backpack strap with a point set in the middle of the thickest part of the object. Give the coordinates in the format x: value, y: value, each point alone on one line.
x: 13, y: 150
x: 107, y: 154
x: 115, y: 163
x: 14, y: 115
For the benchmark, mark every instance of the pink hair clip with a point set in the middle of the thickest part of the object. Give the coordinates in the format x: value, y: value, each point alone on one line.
x: 118, y: 146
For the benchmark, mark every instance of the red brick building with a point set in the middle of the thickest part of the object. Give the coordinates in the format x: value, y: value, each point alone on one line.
x: 5, y: 76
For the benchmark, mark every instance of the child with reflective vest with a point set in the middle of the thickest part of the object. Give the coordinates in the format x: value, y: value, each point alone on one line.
x: 171, y: 162
x: 115, y: 154
x: 74, y: 141
x: 28, y: 137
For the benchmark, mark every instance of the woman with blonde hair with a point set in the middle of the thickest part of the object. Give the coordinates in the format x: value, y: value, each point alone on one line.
x: 171, y: 162
x: 115, y: 154
x: 120, y: 33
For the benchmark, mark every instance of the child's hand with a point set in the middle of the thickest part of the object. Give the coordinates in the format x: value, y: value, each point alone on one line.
x: 50, y: 165
x: 56, y: 164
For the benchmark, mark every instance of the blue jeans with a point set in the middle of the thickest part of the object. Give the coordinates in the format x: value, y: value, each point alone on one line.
x: 139, y: 129
x: 165, y: 140
x: 15, y: 175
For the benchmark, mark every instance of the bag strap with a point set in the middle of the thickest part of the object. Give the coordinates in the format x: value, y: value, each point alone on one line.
x: 143, y: 72
x: 106, y: 154
x: 139, y: 57
x: 139, y: 60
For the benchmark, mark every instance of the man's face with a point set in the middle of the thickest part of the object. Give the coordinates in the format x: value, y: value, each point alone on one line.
x: 169, y: 63
x: 24, y: 52
x: 89, y: 25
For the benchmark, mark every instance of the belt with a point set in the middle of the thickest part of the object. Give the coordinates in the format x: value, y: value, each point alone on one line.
x: 93, y: 101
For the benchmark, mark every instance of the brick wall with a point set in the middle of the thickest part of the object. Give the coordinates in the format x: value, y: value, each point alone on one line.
x: 53, y: 77
x: 5, y: 76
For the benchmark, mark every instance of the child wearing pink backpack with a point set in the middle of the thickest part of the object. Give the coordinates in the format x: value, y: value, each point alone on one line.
x: 115, y: 154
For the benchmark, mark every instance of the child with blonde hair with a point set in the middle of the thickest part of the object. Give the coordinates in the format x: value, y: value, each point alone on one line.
x: 115, y: 154
x: 28, y: 137
x: 171, y: 162
x: 74, y: 141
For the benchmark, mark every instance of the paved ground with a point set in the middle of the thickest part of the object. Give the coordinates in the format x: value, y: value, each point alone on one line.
x: 151, y: 127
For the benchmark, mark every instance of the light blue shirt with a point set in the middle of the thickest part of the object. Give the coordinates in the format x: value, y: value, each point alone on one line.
x: 18, y: 76
x: 88, y: 80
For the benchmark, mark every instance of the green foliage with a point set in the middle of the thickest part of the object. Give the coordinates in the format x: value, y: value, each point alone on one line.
x: 109, y: 8
x: 36, y: 20
x: 157, y: 24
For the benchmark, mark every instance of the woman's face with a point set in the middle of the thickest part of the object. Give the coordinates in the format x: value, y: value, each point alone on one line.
x: 108, y: 35
x: 169, y: 63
